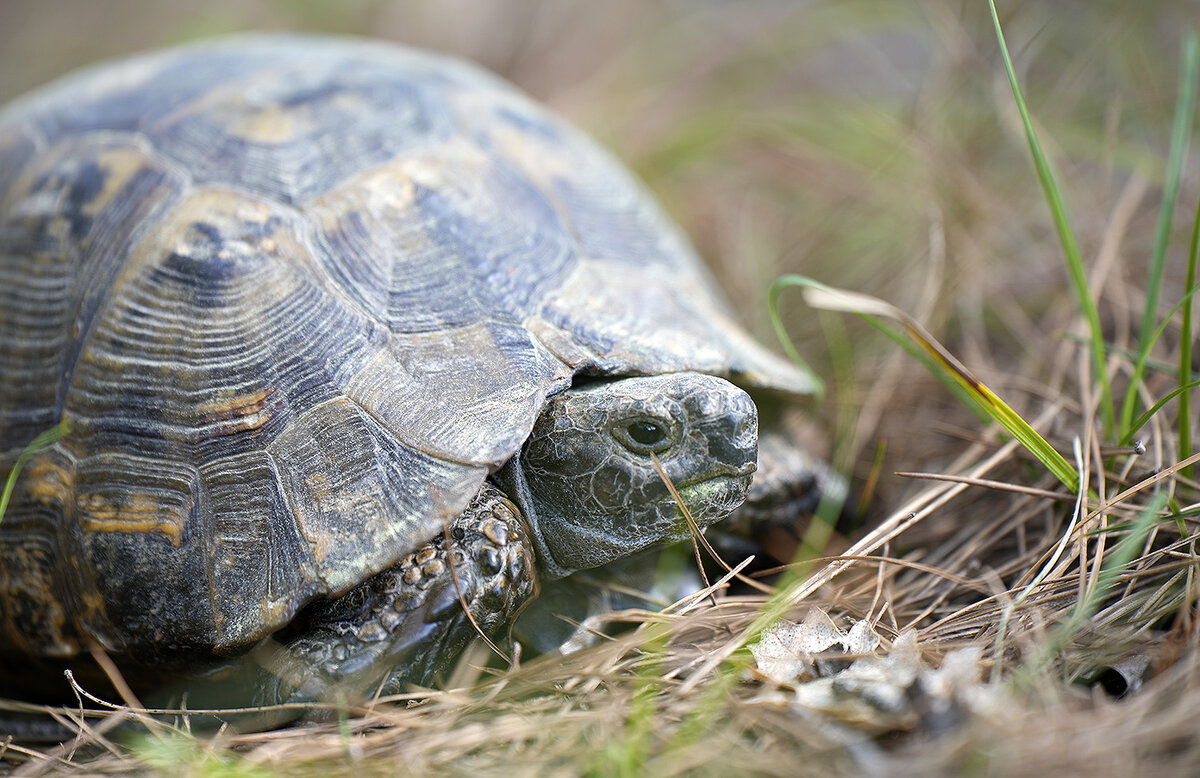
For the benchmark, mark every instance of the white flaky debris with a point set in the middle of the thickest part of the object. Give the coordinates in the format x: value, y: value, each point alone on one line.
x: 788, y: 653
x: 852, y: 677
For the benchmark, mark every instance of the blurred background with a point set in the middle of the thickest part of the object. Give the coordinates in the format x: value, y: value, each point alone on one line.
x: 870, y: 144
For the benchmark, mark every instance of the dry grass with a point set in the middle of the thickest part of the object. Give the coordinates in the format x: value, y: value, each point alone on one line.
x: 872, y: 145
x: 652, y: 702
x: 649, y: 703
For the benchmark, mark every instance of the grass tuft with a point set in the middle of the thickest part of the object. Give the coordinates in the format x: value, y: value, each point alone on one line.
x: 1066, y: 236
x: 953, y: 373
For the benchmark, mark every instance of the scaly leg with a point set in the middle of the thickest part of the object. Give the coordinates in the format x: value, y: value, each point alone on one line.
x: 407, y: 623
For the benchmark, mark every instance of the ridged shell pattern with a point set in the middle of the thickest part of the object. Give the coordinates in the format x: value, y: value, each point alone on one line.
x: 297, y: 298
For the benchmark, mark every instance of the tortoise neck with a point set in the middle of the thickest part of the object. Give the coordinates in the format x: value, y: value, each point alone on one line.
x: 511, y: 480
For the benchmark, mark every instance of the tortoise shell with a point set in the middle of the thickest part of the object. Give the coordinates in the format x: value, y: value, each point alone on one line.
x: 297, y: 298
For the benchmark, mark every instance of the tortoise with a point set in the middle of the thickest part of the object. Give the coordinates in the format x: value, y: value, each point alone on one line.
x: 345, y: 334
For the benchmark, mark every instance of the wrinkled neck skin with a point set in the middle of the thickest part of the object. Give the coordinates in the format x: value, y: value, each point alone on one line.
x: 587, y: 485
x: 511, y: 480
x: 567, y: 541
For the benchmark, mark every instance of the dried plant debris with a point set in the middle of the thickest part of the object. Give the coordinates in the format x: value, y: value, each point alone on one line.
x: 792, y: 654
x: 853, y: 677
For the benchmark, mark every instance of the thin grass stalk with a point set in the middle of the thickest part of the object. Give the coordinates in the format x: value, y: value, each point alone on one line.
x: 1180, y: 133
x: 1066, y: 236
x: 1142, y: 360
x: 971, y: 392
x: 1119, y: 562
x: 1185, y: 346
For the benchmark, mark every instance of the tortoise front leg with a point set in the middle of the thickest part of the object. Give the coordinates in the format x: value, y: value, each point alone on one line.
x: 407, y: 624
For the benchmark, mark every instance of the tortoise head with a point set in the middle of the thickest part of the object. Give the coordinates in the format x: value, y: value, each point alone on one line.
x: 586, y: 480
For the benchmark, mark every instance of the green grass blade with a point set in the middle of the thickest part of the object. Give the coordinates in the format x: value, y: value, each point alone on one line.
x: 42, y: 441
x: 1066, y: 236
x: 1142, y: 361
x: 789, y: 348
x: 1180, y: 392
x: 1115, y: 565
x: 1180, y: 133
x: 1185, y: 344
x: 940, y: 361
x: 893, y: 334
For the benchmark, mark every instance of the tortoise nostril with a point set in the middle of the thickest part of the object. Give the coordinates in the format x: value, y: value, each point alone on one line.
x: 745, y: 428
x: 735, y: 441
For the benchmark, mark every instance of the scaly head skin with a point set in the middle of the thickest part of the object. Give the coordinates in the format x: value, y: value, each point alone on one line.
x: 585, y: 480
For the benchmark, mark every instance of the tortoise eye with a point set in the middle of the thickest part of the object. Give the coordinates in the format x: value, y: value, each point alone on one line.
x: 644, y: 436
x: 647, y: 433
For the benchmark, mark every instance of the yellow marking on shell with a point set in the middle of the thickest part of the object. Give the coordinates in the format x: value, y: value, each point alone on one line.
x: 383, y: 196
x: 243, y: 222
x: 36, y: 621
x: 253, y: 211
x: 387, y: 188
x: 137, y: 513
x: 274, y: 611
x: 318, y: 486
x: 120, y: 165
x: 238, y: 215
x: 93, y: 610
x: 275, y: 124
x: 238, y: 412
x: 47, y: 481
x: 269, y: 125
